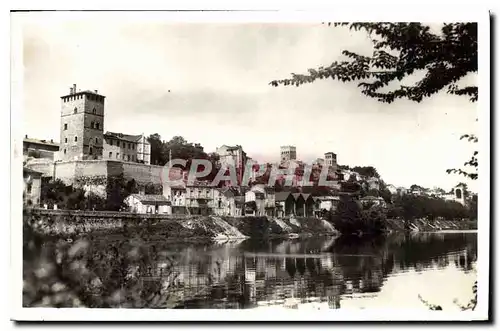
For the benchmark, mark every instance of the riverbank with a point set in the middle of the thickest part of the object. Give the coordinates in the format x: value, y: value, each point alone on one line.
x: 65, y: 223
x: 421, y: 225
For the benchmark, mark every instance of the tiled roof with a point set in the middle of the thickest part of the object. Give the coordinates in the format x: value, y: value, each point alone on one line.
x: 282, y: 196
x: 123, y: 136
x: 151, y: 198
x: 306, y: 195
x: 41, y: 142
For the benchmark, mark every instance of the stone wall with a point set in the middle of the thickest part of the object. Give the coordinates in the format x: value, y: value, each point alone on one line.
x: 65, y: 171
x: 143, y: 173
x: 72, y: 222
x: 46, y: 167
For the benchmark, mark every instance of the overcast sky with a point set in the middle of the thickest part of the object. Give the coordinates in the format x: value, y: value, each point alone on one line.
x: 218, y: 79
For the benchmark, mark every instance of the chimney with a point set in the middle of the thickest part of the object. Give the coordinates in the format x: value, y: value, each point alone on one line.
x: 70, y: 90
x: 51, y: 140
x: 26, y: 136
x: 74, y: 88
x: 95, y: 91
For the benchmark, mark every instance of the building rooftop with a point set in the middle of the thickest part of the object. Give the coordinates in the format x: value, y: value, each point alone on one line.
x: 123, y: 136
x: 40, y: 141
x: 151, y: 198
x: 229, y: 147
x: 82, y: 92
x: 282, y: 196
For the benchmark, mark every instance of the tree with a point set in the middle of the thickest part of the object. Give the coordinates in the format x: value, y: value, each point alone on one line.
x: 417, y: 187
x: 368, y: 171
x: 179, y: 148
x: 472, y: 210
x: 399, y: 51
x: 157, y: 155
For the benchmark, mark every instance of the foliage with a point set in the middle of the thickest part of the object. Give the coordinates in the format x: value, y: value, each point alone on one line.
x: 351, y: 218
x: 473, y: 162
x: 399, y: 51
x: 413, y: 207
x: 429, y: 305
x: 470, y: 306
x: 177, y: 147
x: 76, y: 198
x: 386, y: 195
x: 473, y: 302
x: 366, y: 171
x: 417, y: 187
x: 77, y: 274
x: 55, y: 192
x: 472, y: 210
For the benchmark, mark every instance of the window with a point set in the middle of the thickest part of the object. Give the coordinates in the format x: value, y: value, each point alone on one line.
x: 75, y: 110
x: 97, y: 125
x: 123, y: 144
x: 76, y: 138
x: 28, y: 189
x: 96, y: 140
x: 128, y: 157
x: 65, y: 126
x: 65, y: 140
x: 110, y: 154
x: 128, y: 146
x: 117, y: 155
x: 64, y: 151
x: 90, y: 150
x: 93, y: 111
x: 92, y: 124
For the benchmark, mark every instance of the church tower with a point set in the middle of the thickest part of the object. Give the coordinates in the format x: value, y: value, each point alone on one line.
x: 82, y: 125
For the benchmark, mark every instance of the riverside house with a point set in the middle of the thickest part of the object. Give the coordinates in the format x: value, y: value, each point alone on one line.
x: 226, y: 202
x: 148, y: 204
x: 175, y: 192
x: 199, y: 198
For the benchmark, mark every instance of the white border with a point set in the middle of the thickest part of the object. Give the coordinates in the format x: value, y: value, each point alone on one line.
x: 351, y: 12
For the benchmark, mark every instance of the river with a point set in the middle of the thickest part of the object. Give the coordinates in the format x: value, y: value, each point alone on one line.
x: 319, y: 273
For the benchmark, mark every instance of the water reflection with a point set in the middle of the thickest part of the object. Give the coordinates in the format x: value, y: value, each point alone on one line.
x: 325, y: 272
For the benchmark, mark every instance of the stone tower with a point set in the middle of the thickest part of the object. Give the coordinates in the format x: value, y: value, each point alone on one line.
x: 82, y: 125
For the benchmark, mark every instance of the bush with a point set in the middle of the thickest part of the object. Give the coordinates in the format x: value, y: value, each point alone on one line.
x: 253, y: 226
x: 350, y: 218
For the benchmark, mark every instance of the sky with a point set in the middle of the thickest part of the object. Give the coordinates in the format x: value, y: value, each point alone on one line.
x: 210, y: 84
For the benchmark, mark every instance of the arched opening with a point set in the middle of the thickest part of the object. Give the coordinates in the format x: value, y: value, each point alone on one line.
x: 458, y: 193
